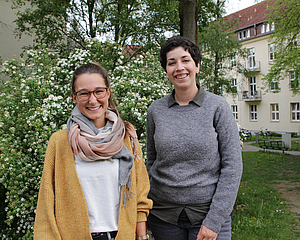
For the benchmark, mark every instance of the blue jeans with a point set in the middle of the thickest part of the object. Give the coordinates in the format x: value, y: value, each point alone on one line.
x: 162, y: 230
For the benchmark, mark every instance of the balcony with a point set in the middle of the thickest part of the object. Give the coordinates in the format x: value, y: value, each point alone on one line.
x: 249, y: 96
x: 253, y: 66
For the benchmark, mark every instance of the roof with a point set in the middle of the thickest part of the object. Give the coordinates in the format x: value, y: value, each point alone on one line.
x: 251, y: 15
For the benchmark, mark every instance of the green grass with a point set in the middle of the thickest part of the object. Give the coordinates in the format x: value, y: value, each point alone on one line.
x: 294, y: 145
x: 263, y: 213
x: 293, y: 148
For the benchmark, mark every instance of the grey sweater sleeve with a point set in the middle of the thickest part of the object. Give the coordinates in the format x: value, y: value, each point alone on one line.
x: 231, y: 168
x: 150, y: 129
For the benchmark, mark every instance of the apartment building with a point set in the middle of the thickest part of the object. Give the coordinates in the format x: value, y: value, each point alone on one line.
x: 253, y: 107
x: 10, y: 45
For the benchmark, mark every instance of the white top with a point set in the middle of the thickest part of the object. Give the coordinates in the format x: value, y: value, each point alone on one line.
x: 100, y: 183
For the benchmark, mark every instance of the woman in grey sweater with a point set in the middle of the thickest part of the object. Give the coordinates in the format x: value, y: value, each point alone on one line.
x: 193, y: 153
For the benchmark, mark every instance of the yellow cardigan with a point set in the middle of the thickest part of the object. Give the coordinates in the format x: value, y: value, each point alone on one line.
x: 61, y: 209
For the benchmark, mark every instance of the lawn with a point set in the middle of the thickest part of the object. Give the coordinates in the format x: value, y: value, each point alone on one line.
x: 295, y: 146
x: 260, y: 212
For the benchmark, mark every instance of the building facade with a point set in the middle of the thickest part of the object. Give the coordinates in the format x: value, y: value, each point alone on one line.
x: 10, y: 45
x: 253, y: 107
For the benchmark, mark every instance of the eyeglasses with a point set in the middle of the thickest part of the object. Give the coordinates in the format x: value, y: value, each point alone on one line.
x: 99, y: 93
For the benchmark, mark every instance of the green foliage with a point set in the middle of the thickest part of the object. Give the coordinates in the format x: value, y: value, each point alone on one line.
x: 62, y: 25
x: 35, y: 102
x: 295, y: 145
x: 219, y: 46
x: 33, y: 105
x: 260, y: 211
x: 285, y: 15
x: 136, y: 85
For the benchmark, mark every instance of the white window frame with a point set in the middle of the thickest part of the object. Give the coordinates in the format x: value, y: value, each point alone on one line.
x: 234, y: 85
x: 292, y: 79
x: 234, y: 82
x: 295, y: 112
x: 253, y: 113
x: 274, y: 86
x: 233, y: 61
x: 267, y: 27
x: 234, y: 109
x: 262, y: 28
x: 272, y: 26
x: 274, y: 107
x: 240, y: 35
x: 252, y: 86
x: 251, y: 57
x: 272, y: 51
x: 248, y: 33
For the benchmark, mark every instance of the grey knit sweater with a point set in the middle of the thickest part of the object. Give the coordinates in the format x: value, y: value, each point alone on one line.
x: 194, y: 155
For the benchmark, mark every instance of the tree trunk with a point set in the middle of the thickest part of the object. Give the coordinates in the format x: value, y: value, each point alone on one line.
x: 91, y: 5
x: 188, y: 13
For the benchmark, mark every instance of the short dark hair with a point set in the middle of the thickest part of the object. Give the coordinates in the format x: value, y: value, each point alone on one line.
x: 93, y: 68
x: 178, y: 41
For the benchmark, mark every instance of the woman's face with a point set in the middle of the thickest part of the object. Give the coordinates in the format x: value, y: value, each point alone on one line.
x: 181, y: 68
x: 92, y: 108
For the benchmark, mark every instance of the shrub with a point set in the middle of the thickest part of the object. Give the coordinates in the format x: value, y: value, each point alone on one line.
x: 136, y: 85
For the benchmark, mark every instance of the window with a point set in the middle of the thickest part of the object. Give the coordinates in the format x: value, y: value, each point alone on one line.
x: 268, y: 27
x: 253, y: 112
x: 234, y: 109
x: 233, y: 61
x: 295, y: 111
x: 274, y: 112
x: 234, y: 82
x: 262, y: 29
x: 248, y: 33
x: 252, y: 85
x: 240, y: 35
x: 272, y: 51
x: 294, y: 83
x: 293, y: 44
x: 234, y: 85
x: 251, y: 57
x: 272, y: 26
x: 274, y: 84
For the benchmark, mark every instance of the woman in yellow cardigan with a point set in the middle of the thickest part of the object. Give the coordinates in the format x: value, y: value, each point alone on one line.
x: 94, y: 183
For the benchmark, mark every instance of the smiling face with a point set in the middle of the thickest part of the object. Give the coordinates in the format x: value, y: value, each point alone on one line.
x: 93, y: 108
x: 181, y: 69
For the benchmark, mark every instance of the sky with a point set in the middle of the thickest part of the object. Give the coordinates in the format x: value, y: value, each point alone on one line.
x: 236, y: 5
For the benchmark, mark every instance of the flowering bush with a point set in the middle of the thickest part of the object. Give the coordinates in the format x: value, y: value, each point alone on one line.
x: 35, y: 102
x: 242, y: 135
x: 136, y: 85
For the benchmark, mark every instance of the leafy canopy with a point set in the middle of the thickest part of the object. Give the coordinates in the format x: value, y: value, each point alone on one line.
x: 284, y: 14
x: 221, y: 54
x: 64, y: 24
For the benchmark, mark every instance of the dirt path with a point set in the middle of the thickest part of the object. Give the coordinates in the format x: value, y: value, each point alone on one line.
x: 291, y: 192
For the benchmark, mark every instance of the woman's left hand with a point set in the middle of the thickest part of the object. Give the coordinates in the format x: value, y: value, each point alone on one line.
x: 141, y: 229
x: 206, y: 234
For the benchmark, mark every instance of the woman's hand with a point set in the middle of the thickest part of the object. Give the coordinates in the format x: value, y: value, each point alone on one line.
x: 206, y: 234
x: 140, y: 229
